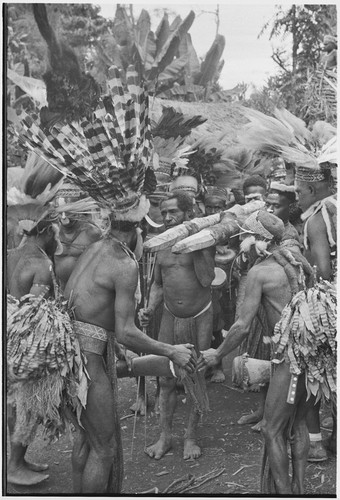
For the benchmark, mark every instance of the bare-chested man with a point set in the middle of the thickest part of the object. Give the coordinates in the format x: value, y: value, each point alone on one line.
x: 76, y: 234
x: 101, y: 289
x: 29, y: 270
x: 268, y: 283
x: 183, y: 281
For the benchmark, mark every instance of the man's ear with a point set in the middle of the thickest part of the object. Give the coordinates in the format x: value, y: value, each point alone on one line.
x: 312, y: 189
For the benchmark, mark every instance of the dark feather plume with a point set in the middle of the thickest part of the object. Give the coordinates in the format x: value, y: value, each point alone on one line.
x: 71, y: 94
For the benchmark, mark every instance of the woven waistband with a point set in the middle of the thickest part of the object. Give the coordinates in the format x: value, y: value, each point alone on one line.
x: 92, y: 338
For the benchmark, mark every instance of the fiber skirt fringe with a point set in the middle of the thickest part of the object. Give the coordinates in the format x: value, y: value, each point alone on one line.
x: 47, y: 379
x: 306, y: 337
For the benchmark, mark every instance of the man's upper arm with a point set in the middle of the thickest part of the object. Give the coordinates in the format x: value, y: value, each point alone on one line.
x: 252, y: 297
x: 125, y: 283
x: 319, y: 245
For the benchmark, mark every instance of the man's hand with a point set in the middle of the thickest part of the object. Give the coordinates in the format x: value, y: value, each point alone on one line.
x: 183, y: 357
x: 207, y: 359
x: 145, y: 316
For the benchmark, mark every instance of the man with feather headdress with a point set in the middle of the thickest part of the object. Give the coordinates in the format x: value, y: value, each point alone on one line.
x: 107, y: 154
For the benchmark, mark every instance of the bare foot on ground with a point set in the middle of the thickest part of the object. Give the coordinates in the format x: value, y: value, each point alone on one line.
x: 191, y: 449
x: 22, y: 476
x: 159, y: 449
x: 252, y: 418
x: 218, y: 376
x: 36, y: 467
x: 140, y: 406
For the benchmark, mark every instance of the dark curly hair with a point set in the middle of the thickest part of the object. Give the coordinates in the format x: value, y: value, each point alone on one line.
x: 254, y: 180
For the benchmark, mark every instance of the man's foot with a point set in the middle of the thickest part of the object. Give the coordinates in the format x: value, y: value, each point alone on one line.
x: 22, y: 476
x: 257, y: 427
x: 191, y: 449
x: 252, y: 418
x: 140, y: 406
x: 218, y: 376
x: 317, y: 452
x: 159, y: 449
x: 36, y: 467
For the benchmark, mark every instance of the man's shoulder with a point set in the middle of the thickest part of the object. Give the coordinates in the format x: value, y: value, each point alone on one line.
x: 264, y: 270
x: 316, y: 224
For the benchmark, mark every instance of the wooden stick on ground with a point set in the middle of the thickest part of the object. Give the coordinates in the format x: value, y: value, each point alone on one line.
x: 205, y: 481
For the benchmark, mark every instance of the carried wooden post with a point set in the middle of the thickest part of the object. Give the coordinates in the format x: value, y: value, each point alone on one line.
x: 204, y: 231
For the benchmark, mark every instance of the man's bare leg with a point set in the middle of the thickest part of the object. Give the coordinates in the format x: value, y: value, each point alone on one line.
x: 80, y: 454
x: 203, y: 336
x: 140, y: 406
x: 20, y: 471
x: 300, y: 445
x: 191, y: 448
x: 256, y: 416
x: 100, y: 430
x: 317, y: 451
x: 167, y: 400
x: 276, y: 416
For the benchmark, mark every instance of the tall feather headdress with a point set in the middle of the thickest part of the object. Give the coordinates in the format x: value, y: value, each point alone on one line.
x: 107, y: 155
x: 287, y: 136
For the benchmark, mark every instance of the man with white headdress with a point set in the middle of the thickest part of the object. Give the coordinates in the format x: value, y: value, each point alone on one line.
x: 277, y: 275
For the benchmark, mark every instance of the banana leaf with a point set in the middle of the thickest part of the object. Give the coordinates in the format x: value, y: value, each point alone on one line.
x: 210, y: 64
x: 173, y: 70
x: 162, y: 33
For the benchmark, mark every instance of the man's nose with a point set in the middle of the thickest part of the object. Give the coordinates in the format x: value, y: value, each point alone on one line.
x: 270, y: 209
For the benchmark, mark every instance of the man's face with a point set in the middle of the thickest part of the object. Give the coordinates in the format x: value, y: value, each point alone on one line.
x: 251, y: 190
x: 213, y: 205
x: 172, y: 216
x: 278, y: 205
x: 305, y: 194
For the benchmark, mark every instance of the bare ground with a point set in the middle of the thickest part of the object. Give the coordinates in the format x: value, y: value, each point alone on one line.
x: 229, y: 448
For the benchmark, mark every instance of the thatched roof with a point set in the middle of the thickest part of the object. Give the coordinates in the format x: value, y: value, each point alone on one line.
x: 223, y: 119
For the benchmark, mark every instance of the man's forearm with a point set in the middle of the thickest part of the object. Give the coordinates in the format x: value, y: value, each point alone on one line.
x: 237, y: 333
x: 139, y: 342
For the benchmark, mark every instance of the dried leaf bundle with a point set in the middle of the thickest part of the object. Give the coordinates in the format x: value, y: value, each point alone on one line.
x: 46, y: 369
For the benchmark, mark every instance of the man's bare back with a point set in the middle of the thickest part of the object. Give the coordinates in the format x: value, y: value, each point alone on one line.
x: 276, y: 291
x: 27, y: 266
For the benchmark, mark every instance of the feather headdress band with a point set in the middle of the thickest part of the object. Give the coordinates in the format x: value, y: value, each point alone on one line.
x: 108, y: 157
x: 287, y: 136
